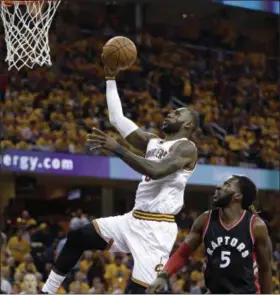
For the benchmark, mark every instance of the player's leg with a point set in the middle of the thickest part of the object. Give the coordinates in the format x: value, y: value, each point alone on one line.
x: 97, y: 235
x: 78, y: 241
x: 150, y: 244
x: 134, y: 288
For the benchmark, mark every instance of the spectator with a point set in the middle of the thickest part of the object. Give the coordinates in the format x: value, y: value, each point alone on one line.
x: 6, y: 287
x: 116, y: 289
x: 99, y: 289
x: 15, y: 289
x: 79, y: 285
x: 18, y: 246
x: 117, y: 273
x: 30, y: 284
x: 95, y: 286
x: 26, y: 219
x: 39, y: 279
x: 44, y: 235
x: 86, y: 263
x: 79, y: 219
x: 18, y: 278
x: 27, y: 264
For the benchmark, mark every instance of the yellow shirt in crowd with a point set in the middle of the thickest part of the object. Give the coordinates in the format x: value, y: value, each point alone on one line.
x: 18, y: 247
x: 85, y: 265
x: 117, y: 275
x: 84, y: 287
x: 22, y: 267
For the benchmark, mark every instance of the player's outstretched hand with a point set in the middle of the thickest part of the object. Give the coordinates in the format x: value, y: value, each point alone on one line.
x: 157, y: 286
x: 98, y: 139
x: 109, y: 73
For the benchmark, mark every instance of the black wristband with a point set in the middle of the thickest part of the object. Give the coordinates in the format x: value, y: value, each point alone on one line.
x: 120, y: 151
x: 164, y: 275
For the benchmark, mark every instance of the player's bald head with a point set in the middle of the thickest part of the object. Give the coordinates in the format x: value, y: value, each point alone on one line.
x: 182, y: 118
x: 190, y: 116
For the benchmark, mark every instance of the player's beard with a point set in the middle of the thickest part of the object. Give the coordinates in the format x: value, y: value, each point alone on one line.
x: 172, y: 127
x: 223, y: 202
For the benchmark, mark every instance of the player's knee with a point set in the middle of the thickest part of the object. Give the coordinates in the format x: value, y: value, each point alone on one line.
x: 74, y: 236
x: 86, y: 238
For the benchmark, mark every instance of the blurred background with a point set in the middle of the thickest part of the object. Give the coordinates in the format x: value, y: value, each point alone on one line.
x: 218, y: 57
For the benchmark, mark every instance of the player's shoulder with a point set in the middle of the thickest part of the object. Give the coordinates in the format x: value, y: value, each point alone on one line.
x: 258, y: 222
x: 202, y: 220
x: 185, y: 145
x: 259, y: 227
x: 205, y: 216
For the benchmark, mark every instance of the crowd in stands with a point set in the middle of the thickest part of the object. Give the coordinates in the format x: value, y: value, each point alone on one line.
x: 32, y: 247
x: 235, y: 93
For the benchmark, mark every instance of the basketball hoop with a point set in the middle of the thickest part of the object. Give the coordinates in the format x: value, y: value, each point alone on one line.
x: 26, y: 26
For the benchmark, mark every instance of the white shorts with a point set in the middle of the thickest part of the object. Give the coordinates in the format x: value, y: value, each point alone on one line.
x: 149, y: 242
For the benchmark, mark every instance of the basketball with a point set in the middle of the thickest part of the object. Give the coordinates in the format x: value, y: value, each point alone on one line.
x: 119, y: 53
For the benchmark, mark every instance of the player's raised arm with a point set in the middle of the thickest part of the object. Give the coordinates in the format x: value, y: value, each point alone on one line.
x: 264, y: 255
x: 127, y: 128
x: 179, y: 258
x: 183, y: 154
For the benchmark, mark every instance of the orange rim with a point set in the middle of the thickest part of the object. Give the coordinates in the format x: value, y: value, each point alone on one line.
x: 9, y: 3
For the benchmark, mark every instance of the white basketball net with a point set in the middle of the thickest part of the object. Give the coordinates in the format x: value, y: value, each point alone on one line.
x: 26, y: 25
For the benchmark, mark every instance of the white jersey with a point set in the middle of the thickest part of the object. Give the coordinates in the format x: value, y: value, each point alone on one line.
x: 165, y: 195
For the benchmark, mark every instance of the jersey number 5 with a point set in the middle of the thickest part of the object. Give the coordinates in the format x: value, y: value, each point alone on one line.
x: 225, y: 258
